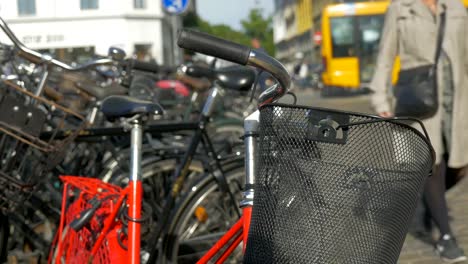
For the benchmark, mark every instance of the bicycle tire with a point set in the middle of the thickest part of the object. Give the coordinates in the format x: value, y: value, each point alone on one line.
x: 232, y: 132
x: 205, y: 193
x: 154, y: 166
x: 4, y: 235
x: 156, y: 177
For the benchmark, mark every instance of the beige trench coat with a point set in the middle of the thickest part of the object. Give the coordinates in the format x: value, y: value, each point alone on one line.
x: 410, y: 32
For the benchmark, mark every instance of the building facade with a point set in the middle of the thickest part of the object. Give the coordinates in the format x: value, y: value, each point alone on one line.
x: 297, y: 28
x: 74, y: 30
x: 296, y: 24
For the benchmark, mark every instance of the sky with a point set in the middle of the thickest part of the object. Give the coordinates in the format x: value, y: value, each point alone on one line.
x: 231, y: 12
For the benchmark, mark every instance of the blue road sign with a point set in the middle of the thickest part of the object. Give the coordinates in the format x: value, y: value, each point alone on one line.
x: 175, y: 7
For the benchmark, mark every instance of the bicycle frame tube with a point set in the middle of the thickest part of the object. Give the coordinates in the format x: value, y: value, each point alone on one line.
x: 183, y: 168
x: 43, y: 82
x: 230, y: 236
x: 99, y: 132
x: 210, y: 104
x: 135, y: 195
x: 221, y: 179
x: 239, y: 231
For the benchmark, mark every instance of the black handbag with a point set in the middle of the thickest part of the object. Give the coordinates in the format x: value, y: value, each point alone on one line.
x: 416, y: 89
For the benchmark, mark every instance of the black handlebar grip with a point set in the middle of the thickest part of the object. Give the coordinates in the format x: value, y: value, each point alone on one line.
x: 143, y: 66
x: 213, y: 46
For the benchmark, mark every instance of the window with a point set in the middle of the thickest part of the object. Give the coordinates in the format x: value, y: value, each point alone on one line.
x: 141, y: 4
x: 342, y: 31
x: 26, y: 7
x: 370, y: 28
x: 143, y: 52
x: 89, y: 4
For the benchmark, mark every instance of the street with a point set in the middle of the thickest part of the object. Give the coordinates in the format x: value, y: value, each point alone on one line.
x: 415, y: 251
x: 308, y: 97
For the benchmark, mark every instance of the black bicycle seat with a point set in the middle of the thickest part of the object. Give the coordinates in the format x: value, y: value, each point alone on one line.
x: 117, y: 106
x: 236, y: 77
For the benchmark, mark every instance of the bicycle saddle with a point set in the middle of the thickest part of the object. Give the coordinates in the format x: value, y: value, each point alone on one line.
x: 101, y: 92
x: 198, y: 71
x: 117, y: 106
x: 234, y: 77
x: 197, y: 84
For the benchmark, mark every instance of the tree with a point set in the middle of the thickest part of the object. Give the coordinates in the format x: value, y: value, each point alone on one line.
x: 258, y: 27
x: 255, y: 26
x: 219, y: 30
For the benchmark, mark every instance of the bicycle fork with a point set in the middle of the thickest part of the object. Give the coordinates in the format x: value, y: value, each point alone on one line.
x: 135, y: 194
x: 240, y: 230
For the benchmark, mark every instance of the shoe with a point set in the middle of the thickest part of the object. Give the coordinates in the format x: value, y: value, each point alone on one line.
x: 449, y: 251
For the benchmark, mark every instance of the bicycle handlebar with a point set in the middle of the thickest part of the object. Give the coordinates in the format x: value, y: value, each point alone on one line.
x: 37, y: 57
x: 234, y: 52
x: 216, y: 47
x: 150, y: 67
x: 143, y: 66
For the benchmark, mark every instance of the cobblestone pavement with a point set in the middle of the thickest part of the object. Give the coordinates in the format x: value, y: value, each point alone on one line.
x: 417, y: 252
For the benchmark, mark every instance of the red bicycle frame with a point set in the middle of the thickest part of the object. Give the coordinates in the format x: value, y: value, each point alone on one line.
x: 110, y: 232
x: 231, y: 240
x: 240, y: 230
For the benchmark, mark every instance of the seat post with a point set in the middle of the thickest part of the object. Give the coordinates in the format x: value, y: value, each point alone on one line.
x: 210, y: 102
x: 135, y: 194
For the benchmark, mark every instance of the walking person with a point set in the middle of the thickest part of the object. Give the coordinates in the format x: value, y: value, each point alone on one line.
x: 411, y: 31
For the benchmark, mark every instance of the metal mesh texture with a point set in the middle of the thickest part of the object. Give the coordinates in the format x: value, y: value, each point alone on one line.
x: 326, y: 194
x: 25, y: 155
x: 75, y: 247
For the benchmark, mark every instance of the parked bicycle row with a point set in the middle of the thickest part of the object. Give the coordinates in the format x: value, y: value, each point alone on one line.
x: 191, y: 140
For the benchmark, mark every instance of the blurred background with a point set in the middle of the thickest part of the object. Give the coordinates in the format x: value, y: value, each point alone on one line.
x: 78, y: 30
x: 302, y: 34
x: 328, y: 46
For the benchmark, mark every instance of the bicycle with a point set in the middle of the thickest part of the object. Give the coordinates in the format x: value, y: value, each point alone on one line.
x: 319, y: 198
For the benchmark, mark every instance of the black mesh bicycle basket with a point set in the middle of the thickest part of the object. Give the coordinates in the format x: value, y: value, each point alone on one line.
x: 334, y: 187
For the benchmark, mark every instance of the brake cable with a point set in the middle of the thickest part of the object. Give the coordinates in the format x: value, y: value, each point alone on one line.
x: 254, y: 86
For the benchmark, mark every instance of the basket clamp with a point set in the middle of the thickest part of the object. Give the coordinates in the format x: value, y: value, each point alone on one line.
x: 327, y: 127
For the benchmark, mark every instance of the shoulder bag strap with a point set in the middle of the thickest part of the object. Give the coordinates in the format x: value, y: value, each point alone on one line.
x: 440, y: 35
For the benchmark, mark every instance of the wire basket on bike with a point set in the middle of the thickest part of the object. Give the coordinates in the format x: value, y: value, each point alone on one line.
x: 89, y: 232
x: 334, y: 187
x: 30, y: 142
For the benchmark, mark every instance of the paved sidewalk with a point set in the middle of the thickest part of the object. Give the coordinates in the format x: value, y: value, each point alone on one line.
x: 417, y: 252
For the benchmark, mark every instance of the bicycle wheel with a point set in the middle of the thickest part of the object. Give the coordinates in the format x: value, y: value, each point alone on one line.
x: 157, y: 173
x: 229, y: 131
x: 202, y: 218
